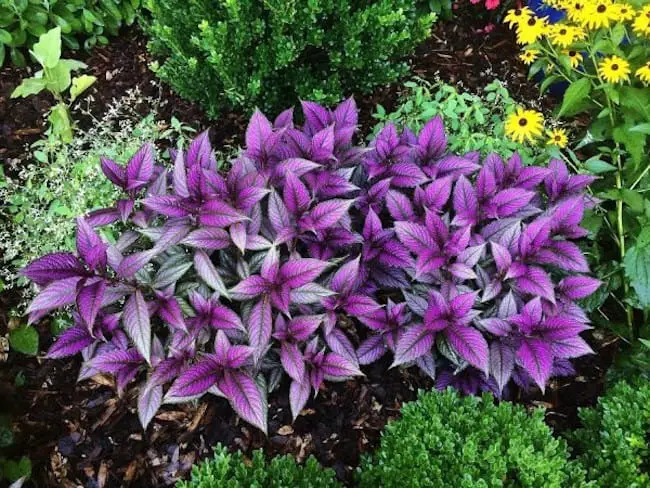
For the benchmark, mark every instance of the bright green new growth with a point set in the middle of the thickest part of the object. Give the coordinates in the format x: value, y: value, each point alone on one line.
x: 234, y: 471
x: 443, y: 440
x: 614, y: 444
x: 472, y: 122
x: 56, y: 78
x: 250, y: 53
x: 88, y: 21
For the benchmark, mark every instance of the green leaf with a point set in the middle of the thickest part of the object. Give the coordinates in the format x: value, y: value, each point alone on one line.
x: 596, y: 166
x: 24, y: 339
x: 58, y: 78
x: 5, y: 37
x: 641, y: 128
x: 637, y: 270
x: 80, y: 84
x: 60, y: 121
x: 633, y: 199
x: 29, y: 86
x: 577, y: 93
x: 14, y: 470
x: 48, y: 48
x: 636, y: 99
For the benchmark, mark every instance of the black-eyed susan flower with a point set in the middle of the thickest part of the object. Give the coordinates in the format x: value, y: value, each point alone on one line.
x: 529, y: 56
x: 614, y: 69
x: 515, y: 16
x: 643, y: 73
x: 623, y: 12
x: 564, y: 35
x: 531, y: 30
x: 575, y: 58
x: 597, y: 14
x: 641, y: 23
x: 575, y: 10
x: 557, y: 137
x: 524, y: 125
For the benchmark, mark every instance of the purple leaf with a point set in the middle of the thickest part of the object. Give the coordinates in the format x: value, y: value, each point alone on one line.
x: 223, y: 318
x: 432, y: 141
x: 510, y: 201
x: 337, y: 367
x: 371, y: 349
x: 278, y: 213
x: 563, y: 254
x: 296, y: 195
x: 470, y: 345
x: 195, y: 380
x: 416, y: 341
x: 208, y: 273
x: 114, y: 361
x: 298, y: 272
x: 316, y: 117
x: 216, y: 213
x: 258, y: 131
x: 502, y: 363
x: 536, y: 282
x: 322, y: 144
x: 248, y: 288
x: 260, y: 327
x: 327, y: 214
x: 415, y: 237
x: 465, y: 202
x: 55, y: 295
x: 137, y: 324
x: 180, y: 176
x: 344, y: 279
x: 149, y: 401
x: 292, y: 361
x: 169, y: 205
x: 399, y: 206
x: 51, y: 267
x: 89, y: 301
x: 298, y: 396
x: 571, y: 347
x: 114, y: 172
x: 536, y: 357
x: 70, y: 342
x: 139, y: 170
x: 90, y: 247
x: 134, y: 262
x: 245, y: 397
x: 578, y: 287
x: 209, y: 238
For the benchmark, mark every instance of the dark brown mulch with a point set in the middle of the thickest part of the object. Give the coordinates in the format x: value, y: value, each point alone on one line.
x: 83, y: 435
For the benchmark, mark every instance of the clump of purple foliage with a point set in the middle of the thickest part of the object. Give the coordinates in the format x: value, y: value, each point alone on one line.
x: 222, y: 283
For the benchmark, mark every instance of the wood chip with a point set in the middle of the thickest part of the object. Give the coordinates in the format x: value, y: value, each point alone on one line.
x: 285, y: 430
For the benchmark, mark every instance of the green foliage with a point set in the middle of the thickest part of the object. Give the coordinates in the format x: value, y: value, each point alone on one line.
x: 66, y: 181
x: 88, y: 21
x: 234, y: 471
x: 614, y: 442
x: 247, y: 53
x: 55, y: 77
x: 13, y: 470
x: 24, y: 339
x: 472, y: 122
x: 443, y: 440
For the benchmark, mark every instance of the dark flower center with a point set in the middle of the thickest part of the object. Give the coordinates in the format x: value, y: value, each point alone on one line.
x: 614, y: 67
x: 562, y: 31
x: 601, y: 9
x: 558, y: 137
x: 518, y: 12
x: 531, y: 22
x: 572, y: 53
x: 523, y: 122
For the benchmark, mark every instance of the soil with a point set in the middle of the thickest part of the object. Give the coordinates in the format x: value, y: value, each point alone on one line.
x: 84, y: 435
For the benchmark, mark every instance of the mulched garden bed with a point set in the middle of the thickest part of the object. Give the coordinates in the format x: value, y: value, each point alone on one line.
x: 83, y: 435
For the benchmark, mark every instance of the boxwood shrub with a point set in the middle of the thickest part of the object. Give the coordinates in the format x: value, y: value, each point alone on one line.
x: 613, y: 444
x: 443, y: 440
x: 251, y: 53
x: 227, y: 470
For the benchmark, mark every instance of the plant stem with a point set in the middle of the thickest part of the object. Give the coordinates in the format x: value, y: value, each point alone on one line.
x: 621, y: 236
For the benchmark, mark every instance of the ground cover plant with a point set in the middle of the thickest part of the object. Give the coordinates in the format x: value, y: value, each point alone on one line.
x: 602, y: 49
x: 248, y: 54
x: 83, y: 23
x: 229, y: 282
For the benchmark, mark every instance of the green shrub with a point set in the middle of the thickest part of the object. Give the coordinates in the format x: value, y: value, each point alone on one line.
x: 234, y: 471
x: 88, y: 21
x: 472, y: 122
x: 246, y: 53
x: 66, y: 181
x: 614, y: 442
x: 443, y: 440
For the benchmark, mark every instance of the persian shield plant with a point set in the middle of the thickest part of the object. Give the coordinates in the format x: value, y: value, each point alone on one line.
x: 224, y: 283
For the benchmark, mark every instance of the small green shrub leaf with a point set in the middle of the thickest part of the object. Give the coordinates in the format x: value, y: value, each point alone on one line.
x: 575, y: 95
x: 48, y: 49
x: 24, y: 339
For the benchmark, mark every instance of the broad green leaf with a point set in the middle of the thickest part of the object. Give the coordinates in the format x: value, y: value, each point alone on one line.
x: 48, y: 48
x: 637, y: 270
x: 633, y: 199
x: 24, y: 339
x: 73, y: 64
x: 17, y: 57
x: 58, y: 78
x: 29, y: 86
x: 80, y: 84
x: 5, y: 37
x: 641, y: 128
x: 637, y: 99
x: 597, y: 166
x: 14, y: 470
x: 577, y: 93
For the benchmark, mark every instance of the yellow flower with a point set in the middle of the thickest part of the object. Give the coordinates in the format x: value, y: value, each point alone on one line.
x: 622, y: 12
x: 614, y: 69
x: 517, y: 16
x: 575, y: 57
x: 641, y: 24
x: 564, y: 35
x: 597, y: 14
x: 575, y: 10
x: 643, y: 73
x: 531, y: 30
x: 529, y: 56
x: 524, y: 125
x: 557, y: 137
